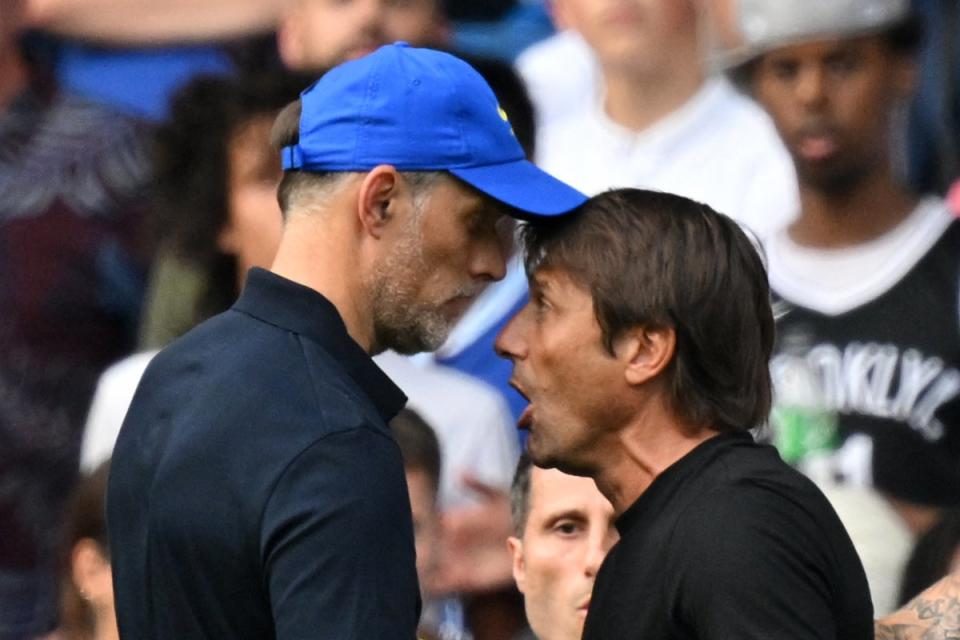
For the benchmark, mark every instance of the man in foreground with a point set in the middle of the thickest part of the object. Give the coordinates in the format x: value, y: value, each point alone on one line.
x: 256, y: 491
x: 644, y: 353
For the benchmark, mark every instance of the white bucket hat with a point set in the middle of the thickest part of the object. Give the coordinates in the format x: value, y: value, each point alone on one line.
x: 744, y: 29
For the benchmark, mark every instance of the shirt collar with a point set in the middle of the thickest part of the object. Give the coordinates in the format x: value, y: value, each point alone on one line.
x: 300, y: 309
x: 657, y: 497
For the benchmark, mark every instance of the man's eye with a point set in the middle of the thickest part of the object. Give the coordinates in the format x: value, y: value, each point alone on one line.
x: 843, y: 64
x: 540, y: 305
x: 785, y: 70
x: 566, y: 528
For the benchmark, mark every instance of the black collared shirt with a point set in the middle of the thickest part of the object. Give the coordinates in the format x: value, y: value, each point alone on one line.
x: 731, y: 543
x: 256, y: 491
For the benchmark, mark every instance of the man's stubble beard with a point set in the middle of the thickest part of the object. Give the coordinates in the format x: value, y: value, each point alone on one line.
x: 399, y: 323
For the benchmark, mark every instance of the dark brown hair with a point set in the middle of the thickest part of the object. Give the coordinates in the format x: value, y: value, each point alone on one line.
x: 660, y: 260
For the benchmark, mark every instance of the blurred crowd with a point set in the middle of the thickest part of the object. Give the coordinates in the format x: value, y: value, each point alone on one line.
x: 138, y: 186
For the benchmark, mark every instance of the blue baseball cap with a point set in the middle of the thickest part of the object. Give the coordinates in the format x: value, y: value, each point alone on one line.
x: 421, y: 110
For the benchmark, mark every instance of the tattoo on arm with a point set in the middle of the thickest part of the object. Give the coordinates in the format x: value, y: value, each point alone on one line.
x: 932, y: 615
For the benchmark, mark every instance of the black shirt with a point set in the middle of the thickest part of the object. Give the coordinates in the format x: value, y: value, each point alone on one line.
x: 255, y: 490
x: 731, y: 543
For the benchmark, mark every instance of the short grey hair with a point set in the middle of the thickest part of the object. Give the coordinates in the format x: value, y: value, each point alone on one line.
x: 298, y: 185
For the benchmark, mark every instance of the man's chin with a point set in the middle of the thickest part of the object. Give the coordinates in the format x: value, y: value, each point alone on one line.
x: 539, y: 453
x: 412, y: 341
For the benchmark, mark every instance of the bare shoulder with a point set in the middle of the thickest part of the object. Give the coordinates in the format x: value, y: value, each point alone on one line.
x: 932, y: 615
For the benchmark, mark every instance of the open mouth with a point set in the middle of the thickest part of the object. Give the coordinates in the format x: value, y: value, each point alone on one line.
x: 526, y: 418
x: 817, y: 143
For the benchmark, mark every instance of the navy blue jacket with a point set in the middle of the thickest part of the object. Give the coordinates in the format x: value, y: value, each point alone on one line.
x: 255, y: 490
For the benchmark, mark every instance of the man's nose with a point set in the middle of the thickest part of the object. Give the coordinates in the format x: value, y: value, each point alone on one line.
x: 510, y: 342
x: 489, y: 261
x: 811, y: 85
x: 596, y: 551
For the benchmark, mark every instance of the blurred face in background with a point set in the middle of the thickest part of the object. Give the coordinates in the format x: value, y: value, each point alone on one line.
x: 568, y: 532
x: 631, y: 33
x: 254, y: 224
x: 319, y: 34
x: 833, y: 102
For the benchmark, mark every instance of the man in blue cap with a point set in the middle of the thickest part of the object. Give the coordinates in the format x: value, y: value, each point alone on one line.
x: 256, y: 491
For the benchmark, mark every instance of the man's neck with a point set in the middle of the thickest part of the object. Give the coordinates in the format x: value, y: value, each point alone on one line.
x: 13, y: 74
x: 638, y: 99
x: 313, y: 253
x: 874, y: 206
x: 652, y: 444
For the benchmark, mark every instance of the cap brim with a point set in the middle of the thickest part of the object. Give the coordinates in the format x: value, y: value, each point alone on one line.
x: 531, y: 191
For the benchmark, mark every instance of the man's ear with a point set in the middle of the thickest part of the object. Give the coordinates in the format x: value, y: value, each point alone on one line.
x: 646, y: 352
x: 515, y: 546
x: 377, y: 198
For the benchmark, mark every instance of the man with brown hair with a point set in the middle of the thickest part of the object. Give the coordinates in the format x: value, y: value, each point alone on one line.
x: 562, y: 530
x: 644, y: 353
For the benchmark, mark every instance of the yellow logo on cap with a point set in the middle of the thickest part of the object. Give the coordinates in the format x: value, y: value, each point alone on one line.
x: 505, y: 118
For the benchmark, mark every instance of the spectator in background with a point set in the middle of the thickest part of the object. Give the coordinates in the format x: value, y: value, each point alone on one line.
x: 856, y: 368
x: 563, y: 528
x: 216, y: 191
x: 561, y: 74
x: 866, y: 280
x: 86, y: 586
x: 73, y: 194
x: 658, y: 121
